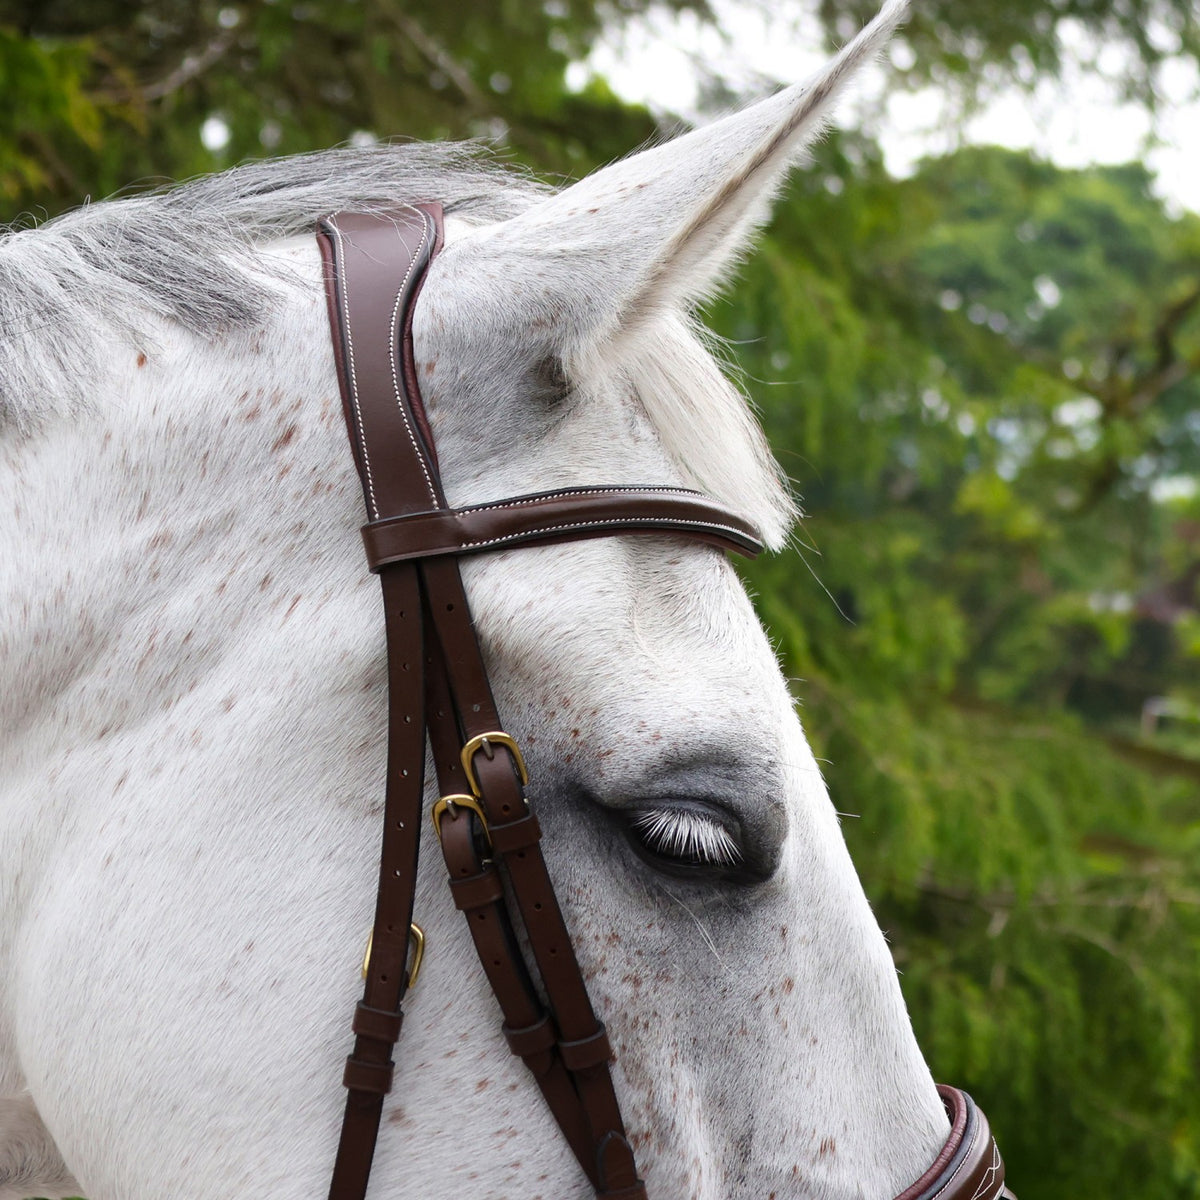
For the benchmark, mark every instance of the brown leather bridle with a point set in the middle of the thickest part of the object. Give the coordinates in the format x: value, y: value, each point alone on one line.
x: 437, y: 682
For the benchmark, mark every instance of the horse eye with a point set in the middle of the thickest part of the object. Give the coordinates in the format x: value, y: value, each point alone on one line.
x: 684, y: 839
x: 550, y: 383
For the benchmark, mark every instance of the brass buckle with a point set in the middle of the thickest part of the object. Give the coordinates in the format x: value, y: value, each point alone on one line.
x: 484, y: 742
x: 459, y: 800
x: 416, y: 941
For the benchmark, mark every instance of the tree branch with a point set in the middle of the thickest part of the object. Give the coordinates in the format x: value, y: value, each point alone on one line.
x: 192, y: 66
x: 437, y: 55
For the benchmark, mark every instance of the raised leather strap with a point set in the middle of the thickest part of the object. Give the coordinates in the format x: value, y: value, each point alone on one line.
x: 374, y: 271
x: 370, y: 312
x: 374, y: 268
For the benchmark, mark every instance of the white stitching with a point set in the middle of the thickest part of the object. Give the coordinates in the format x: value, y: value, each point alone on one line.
x: 990, y: 1174
x: 393, y: 342
x: 595, y: 491
x: 670, y: 522
x: 362, y: 441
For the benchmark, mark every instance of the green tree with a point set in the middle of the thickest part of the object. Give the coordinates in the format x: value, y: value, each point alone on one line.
x: 107, y: 92
x: 981, y: 373
x: 969, y: 46
x: 114, y: 93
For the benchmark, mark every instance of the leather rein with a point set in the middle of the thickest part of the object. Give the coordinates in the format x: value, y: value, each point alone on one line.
x: 438, y: 684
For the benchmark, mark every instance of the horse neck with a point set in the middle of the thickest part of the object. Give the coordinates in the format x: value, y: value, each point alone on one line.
x: 190, y: 506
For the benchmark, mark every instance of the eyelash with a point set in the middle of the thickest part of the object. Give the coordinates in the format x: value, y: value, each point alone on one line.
x: 686, y: 836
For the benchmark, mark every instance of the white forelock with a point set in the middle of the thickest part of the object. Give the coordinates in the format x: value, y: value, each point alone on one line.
x: 76, y: 287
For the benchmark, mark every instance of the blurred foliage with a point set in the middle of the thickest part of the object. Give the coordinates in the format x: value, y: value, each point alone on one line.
x: 115, y: 92
x: 984, y: 382
x: 984, y: 378
x: 969, y: 46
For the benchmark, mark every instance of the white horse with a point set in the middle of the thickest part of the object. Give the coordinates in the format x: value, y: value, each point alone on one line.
x: 193, y: 700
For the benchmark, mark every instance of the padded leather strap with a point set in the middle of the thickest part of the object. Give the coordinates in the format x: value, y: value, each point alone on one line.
x: 969, y: 1166
x: 370, y: 314
x: 570, y: 514
x: 374, y: 270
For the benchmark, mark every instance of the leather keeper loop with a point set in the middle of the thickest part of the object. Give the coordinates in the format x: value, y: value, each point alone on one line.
x: 531, y: 1039
x: 586, y: 1052
x: 477, y: 890
x: 515, y: 835
x: 362, y: 1076
x: 377, y: 1023
x: 616, y: 1171
x: 636, y: 1191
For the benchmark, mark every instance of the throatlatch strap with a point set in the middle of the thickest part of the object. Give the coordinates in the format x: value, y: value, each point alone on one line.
x: 513, y: 833
x: 969, y: 1166
x: 474, y: 884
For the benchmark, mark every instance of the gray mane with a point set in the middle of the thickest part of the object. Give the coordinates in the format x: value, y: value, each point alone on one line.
x: 71, y: 287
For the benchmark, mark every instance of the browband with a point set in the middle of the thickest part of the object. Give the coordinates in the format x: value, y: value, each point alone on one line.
x: 569, y: 514
x: 438, y: 684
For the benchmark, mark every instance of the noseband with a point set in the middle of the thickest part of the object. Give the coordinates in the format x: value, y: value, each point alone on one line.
x: 437, y: 683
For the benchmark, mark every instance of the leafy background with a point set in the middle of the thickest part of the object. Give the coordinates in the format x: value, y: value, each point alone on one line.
x: 983, y: 379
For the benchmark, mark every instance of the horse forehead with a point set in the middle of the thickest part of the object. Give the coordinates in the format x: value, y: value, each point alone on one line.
x: 634, y: 623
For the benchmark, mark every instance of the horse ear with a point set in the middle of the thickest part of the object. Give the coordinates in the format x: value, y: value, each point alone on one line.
x: 662, y: 227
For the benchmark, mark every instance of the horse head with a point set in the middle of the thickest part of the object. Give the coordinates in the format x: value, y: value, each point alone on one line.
x: 192, y: 748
